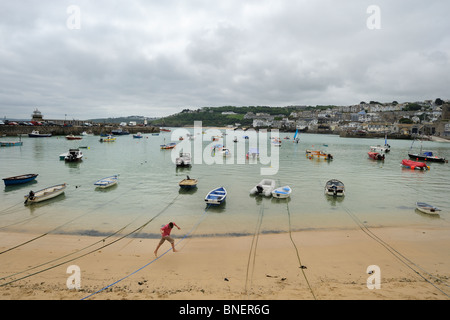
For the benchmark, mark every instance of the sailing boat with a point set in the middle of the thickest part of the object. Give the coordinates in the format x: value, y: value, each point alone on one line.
x: 295, y: 136
x: 386, y: 145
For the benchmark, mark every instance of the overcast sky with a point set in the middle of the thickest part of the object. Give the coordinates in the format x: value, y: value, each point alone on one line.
x: 154, y: 58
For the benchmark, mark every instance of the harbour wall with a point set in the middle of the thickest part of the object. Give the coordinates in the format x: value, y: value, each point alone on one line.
x: 9, y: 130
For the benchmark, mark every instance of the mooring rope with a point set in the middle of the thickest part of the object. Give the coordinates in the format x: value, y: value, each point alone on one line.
x: 407, y: 262
x: 94, y: 250
x: 301, y: 266
x: 155, y: 259
x: 253, y: 247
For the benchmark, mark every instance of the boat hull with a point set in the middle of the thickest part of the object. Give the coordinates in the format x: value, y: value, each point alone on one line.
x: 426, y: 158
x: 20, y: 179
x: 427, y: 208
x: 414, y: 165
x: 216, y: 196
x: 265, y: 187
x: 335, y: 188
x: 106, y: 182
x: 45, y: 194
x: 282, y: 192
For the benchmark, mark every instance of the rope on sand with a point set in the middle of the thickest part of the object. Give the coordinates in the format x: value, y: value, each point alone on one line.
x: 155, y: 259
x: 407, y: 262
x: 83, y: 255
x: 253, y: 247
x: 301, y: 266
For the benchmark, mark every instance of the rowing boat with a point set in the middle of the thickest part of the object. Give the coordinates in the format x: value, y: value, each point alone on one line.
x: 45, y: 194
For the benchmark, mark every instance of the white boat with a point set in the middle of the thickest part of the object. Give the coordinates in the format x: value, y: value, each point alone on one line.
x: 107, y: 182
x: 216, y: 196
x: 427, y: 208
x: 138, y: 135
x: 45, y: 194
x: 36, y: 134
x: 276, y: 142
x: 184, y: 160
x: 282, y: 192
x: 226, y: 152
x: 74, y: 155
x: 265, y: 186
x: 335, y: 188
x: 379, y: 149
x: 62, y: 156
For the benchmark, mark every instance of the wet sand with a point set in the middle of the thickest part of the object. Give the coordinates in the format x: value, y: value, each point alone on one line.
x: 414, y: 264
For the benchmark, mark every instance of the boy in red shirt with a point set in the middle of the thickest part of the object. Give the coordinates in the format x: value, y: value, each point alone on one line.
x: 165, y: 235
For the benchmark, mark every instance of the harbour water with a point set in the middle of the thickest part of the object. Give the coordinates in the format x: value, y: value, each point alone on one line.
x: 378, y: 193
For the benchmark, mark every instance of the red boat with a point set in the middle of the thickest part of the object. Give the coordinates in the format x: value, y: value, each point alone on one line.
x: 375, y: 155
x: 414, y: 165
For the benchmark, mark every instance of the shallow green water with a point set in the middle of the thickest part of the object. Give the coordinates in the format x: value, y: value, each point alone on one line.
x: 377, y: 193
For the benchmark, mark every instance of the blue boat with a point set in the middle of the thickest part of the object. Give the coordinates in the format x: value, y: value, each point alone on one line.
x: 20, y: 179
x: 216, y: 196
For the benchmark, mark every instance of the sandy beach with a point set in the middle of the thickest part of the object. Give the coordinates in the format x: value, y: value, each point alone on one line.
x: 414, y: 264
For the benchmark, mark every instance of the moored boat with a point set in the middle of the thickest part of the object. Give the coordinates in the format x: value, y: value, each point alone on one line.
x: 376, y: 155
x: 168, y: 146
x: 319, y: 154
x: 108, y: 138
x: 138, y: 135
x: 183, y: 160
x: 10, y: 143
x: 265, y: 187
x: 335, y: 188
x: 73, y: 137
x: 45, y: 194
x: 216, y: 196
x: 188, y: 183
x: 24, y: 178
x: 36, y: 134
x: 107, y: 182
x: 74, y: 155
x: 282, y: 192
x: 414, y: 165
x: 427, y: 208
x: 426, y: 156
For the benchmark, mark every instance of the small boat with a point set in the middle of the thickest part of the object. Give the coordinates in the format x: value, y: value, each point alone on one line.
x: 168, y: 146
x: 72, y: 137
x: 138, y: 135
x: 414, y: 165
x: 45, y: 194
x: 427, y: 208
x: 426, y: 156
x: 252, y: 153
x: 107, y: 182
x: 164, y: 129
x: 226, y: 152
x: 24, y: 178
x: 36, y: 134
x: 10, y: 143
x: 108, y: 139
x: 184, y: 160
x: 311, y: 154
x: 265, y: 186
x: 216, y: 196
x: 282, y: 192
x: 380, y: 149
x: 376, y: 155
x: 119, y: 132
x: 188, y: 183
x: 74, y: 155
x: 276, y: 142
x: 335, y: 188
